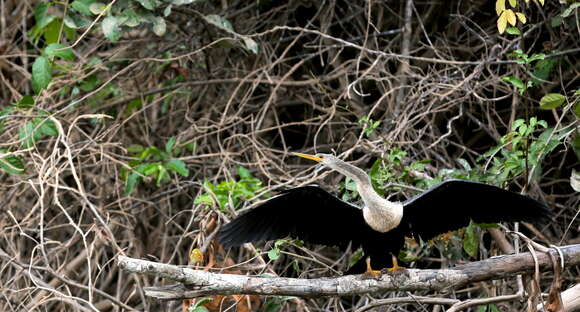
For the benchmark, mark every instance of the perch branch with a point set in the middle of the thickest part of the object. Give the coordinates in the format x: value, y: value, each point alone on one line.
x: 196, y: 283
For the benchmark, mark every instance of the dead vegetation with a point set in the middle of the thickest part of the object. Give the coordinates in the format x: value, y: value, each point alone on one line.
x: 325, y: 73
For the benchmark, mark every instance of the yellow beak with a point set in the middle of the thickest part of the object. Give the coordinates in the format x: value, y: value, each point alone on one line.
x: 311, y: 157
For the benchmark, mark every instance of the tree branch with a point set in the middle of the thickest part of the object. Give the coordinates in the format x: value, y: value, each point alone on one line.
x: 196, y: 283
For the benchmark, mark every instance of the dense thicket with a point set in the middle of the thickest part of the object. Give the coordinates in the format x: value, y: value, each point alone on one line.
x: 164, y: 121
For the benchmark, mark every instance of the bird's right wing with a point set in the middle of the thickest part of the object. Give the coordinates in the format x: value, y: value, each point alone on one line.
x: 308, y: 213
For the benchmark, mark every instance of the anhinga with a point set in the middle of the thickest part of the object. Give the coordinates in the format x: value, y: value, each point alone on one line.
x: 313, y: 215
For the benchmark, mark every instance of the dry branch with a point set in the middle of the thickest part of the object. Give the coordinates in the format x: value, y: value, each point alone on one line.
x: 197, y: 283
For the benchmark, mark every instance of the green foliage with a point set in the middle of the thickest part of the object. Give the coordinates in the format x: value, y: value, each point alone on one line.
x: 552, y: 100
x: 543, y: 68
x: 41, y: 73
x: 153, y: 163
x: 471, y: 240
x: 487, y: 308
x: 230, y: 193
x: 12, y: 164
x: 370, y: 125
x: 199, y: 305
x: 520, y: 150
x: 36, y: 129
x: 274, y: 303
x: 275, y: 252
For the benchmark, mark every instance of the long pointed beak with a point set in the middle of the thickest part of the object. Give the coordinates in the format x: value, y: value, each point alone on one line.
x: 311, y: 157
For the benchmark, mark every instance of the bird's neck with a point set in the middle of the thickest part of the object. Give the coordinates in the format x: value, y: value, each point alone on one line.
x: 380, y: 214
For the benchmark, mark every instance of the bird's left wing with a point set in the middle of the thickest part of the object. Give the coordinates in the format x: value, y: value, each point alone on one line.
x: 451, y: 204
x: 308, y: 213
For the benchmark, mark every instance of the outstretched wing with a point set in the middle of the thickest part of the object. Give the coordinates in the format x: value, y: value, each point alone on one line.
x: 451, y: 204
x: 308, y: 213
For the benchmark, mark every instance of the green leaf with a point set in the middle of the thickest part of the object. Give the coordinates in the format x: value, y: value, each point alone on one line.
x: 26, y: 134
x: 577, y: 109
x: 181, y: 2
x: 148, y: 4
x: 97, y: 8
x: 251, y: 45
x: 13, y: 164
x: 110, y: 27
x: 159, y: 26
x: 471, y: 240
x: 244, y: 173
x: 515, y: 82
x: 52, y: 31
x: 177, y: 166
x: 513, y: 31
x: 82, y: 6
x: 170, y: 144
x: 220, y: 22
x: 552, y: 100
x: 132, y: 181
x: 575, y: 180
x: 198, y: 307
x: 570, y: 9
x: 47, y: 127
x: 464, y: 164
x: 59, y: 50
x: 134, y: 149
x: 25, y: 102
x: 41, y: 73
x: 274, y: 254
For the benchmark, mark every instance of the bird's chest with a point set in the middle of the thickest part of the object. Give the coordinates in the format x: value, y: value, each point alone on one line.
x: 382, y: 220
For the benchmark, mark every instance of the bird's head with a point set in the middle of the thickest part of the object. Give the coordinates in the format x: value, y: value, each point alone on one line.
x: 337, y: 164
x: 325, y: 159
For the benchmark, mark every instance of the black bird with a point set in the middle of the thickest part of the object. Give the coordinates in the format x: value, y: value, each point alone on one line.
x: 311, y: 214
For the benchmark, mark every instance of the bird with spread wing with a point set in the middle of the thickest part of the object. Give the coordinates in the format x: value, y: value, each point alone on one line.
x: 312, y: 214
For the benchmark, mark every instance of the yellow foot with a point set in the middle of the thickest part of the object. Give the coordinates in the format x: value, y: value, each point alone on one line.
x: 370, y: 273
x: 396, y: 269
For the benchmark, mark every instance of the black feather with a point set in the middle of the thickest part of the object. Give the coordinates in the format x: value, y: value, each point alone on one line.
x: 313, y: 215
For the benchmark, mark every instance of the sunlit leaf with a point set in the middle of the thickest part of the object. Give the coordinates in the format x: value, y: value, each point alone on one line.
x: 521, y: 17
x: 511, y: 17
x: 196, y: 256
x: 159, y: 26
x: 570, y: 9
x: 552, y: 100
x: 97, y: 8
x: 499, y: 6
x: 513, y: 3
x: 502, y: 22
x: 575, y: 180
x: 251, y: 45
x: 220, y: 22
x: 110, y: 27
